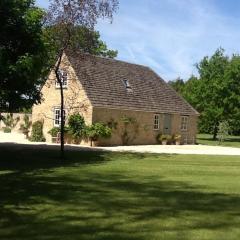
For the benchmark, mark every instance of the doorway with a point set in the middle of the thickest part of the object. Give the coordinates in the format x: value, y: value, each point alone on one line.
x: 167, y: 124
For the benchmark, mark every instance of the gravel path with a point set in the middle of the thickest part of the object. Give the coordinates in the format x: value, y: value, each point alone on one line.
x: 169, y: 149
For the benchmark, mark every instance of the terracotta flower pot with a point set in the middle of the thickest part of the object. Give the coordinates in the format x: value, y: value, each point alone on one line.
x: 164, y: 142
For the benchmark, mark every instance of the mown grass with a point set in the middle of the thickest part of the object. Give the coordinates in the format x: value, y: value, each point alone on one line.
x: 207, y: 139
x: 119, y: 196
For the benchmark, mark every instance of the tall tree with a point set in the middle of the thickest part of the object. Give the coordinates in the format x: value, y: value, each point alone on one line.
x: 215, y: 93
x: 66, y: 16
x: 23, y: 54
x: 178, y: 85
x: 84, y: 39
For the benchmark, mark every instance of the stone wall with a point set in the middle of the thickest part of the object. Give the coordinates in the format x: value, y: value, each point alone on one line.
x: 141, y: 132
x: 75, y: 100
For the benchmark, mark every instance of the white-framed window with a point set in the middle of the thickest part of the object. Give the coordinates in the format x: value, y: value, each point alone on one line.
x: 57, y: 116
x: 64, y: 79
x: 184, y: 123
x: 156, y: 125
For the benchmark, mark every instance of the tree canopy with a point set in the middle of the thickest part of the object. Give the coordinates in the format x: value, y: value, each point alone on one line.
x: 23, y: 54
x: 215, y: 93
x: 70, y: 20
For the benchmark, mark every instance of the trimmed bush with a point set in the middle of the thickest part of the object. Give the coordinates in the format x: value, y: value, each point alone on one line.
x: 7, y: 130
x: 162, y: 138
x: 97, y: 130
x: 37, y: 132
x: 76, y: 126
x: 10, y: 121
x: 54, y: 131
x: 26, y: 126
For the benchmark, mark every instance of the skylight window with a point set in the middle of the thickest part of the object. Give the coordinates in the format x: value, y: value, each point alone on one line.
x: 127, y: 84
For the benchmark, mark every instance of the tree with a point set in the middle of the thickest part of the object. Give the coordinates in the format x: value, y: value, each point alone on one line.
x: 216, y: 92
x: 23, y: 54
x: 84, y: 39
x: 178, y: 85
x: 66, y: 16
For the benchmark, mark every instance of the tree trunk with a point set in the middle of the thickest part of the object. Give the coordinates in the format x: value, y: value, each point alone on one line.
x: 62, y: 122
x: 215, y: 130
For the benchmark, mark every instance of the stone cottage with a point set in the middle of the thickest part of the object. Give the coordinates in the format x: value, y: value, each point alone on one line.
x: 130, y: 98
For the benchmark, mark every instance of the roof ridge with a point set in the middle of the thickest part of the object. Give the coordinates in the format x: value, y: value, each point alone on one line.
x: 101, y: 79
x: 106, y: 58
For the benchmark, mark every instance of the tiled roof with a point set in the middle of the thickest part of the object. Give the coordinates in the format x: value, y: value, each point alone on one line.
x: 102, y: 79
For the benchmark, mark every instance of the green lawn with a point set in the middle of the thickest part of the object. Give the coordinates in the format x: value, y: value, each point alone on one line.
x: 230, y: 141
x: 117, y: 196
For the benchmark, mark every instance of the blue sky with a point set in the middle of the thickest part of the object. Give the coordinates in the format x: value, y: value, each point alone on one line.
x: 170, y: 36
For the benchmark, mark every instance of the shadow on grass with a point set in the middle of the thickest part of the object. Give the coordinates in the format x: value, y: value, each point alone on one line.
x: 209, y: 138
x: 87, y: 200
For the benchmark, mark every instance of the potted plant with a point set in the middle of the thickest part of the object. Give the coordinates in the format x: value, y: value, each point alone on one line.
x: 177, y: 139
x: 164, y: 139
x: 54, y: 133
x: 97, y: 130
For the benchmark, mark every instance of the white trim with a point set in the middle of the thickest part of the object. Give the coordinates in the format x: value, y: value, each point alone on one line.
x: 184, y: 123
x: 64, y: 79
x: 57, y: 116
x: 156, y: 123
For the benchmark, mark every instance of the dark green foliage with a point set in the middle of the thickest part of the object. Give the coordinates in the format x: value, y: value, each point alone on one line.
x: 76, y: 126
x: 54, y: 131
x: 215, y: 93
x: 7, y: 129
x: 117, y: 196
x: 26, y: 126
x: 10, y: 121
x: 23, y: 54
x: 178, y: 85
x: 37, y: 132
x: 97, y: 130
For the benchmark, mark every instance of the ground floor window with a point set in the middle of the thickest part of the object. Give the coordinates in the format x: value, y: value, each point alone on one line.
x: 156, y: 122
x: 184, y: 123
x: 57, y: 116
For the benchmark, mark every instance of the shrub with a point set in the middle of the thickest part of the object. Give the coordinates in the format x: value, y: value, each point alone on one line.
x: 54, y: 131
x: 10, y: 121
x: 164, y: 137
x: 158, y: 137
x: 176, y: 138
x: 97, y: 130
x: 26, y: 126
x: 76, y: 126
x: 223, y: 131
x: 7, y: 130
x: 37, y: 132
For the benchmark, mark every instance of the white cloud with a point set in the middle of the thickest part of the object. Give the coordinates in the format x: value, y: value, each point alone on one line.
x: 170, y: 37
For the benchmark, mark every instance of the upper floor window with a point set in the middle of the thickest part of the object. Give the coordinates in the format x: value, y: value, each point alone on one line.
x: 156, y: 125
x: 64, y: 79
x: 57, y: 116
x: 184, y: 123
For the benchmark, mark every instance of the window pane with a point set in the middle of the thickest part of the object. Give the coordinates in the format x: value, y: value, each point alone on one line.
x: 156, y: 122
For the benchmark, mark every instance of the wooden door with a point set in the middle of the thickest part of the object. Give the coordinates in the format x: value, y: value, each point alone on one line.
x: 167, y: 124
